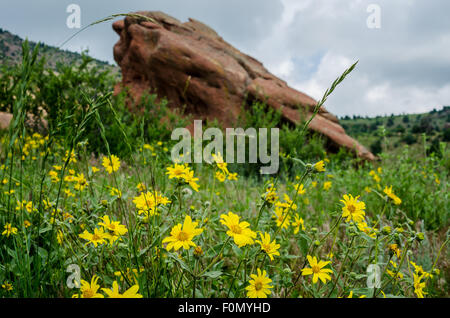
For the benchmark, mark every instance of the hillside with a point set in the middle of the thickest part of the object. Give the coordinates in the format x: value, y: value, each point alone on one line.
x: 11, y: 53
x: 401, y: 129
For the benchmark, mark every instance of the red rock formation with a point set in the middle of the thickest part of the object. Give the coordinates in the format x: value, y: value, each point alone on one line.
x: 191, y: 65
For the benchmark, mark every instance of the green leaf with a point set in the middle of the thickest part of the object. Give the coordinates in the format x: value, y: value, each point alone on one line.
x: 213, y: 274
x: 304, y: 242
x: 181, y: 262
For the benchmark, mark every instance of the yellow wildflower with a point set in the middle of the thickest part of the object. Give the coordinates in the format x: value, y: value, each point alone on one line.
x: 182, y: 235
x: 111, y: 165
x: 259, y: 285
x: 239, y: 231
x: 317, y: 270
x: 271, y: 248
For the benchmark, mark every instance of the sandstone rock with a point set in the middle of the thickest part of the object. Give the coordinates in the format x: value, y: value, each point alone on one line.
x: 5, y: 120
x: 31, y: 121
x: 193, y: 67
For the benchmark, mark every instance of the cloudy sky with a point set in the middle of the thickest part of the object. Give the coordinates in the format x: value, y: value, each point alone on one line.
x: 404, y: 65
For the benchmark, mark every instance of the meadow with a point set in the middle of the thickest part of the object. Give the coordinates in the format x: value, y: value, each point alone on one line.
x: 93, y: 194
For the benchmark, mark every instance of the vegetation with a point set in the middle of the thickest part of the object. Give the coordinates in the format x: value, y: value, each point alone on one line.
x: 426, y: 130
x: 11, y: 53
x: 96, y: 190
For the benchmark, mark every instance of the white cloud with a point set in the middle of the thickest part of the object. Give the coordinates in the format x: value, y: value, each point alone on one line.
x: 404, y: 66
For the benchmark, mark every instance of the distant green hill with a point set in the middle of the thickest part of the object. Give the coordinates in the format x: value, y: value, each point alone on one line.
x: 11, y: 53
x: 401, y: 129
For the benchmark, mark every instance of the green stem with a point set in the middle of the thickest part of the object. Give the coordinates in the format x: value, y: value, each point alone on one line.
x: 342, y: 266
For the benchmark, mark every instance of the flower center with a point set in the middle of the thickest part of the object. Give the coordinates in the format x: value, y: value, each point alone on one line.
x: 315, y: 269
x: 351, y: 208
x: 88, y: 293
x: 258, y: 286
x: 95, y: 237
x: 183, y: 236
x: 235, y: 228
x: 178, y: 172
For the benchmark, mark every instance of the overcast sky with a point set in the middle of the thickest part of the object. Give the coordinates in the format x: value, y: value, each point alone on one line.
x: 404, y: 66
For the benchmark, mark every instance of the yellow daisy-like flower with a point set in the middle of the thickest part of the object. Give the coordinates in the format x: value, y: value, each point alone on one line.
x: 239, y: 231
x: 299, y: 188
x: 419, y: 286
x: 141, y: 187
x: 319, y: 166
x: 73, y: 156
x: 89, y: 290
x: 317, y: 270
x: 191, y: 180
x: 395, y: 250
x: 327, y: 185
x: 81, y: 182
x: 7, y: 286
x: 130, y: 274
x: 60, y: 237
x: 390, y: 194
x: 115, y: 192
x: 375, y: 177
x: 353, y: 209
x: 149, y: 147
x: 363, y: 227
x: 147, y: 203
x: 233, y: 176
x: 282, y: 217
x: 111, y: 165
x: 182, y: 235
x: 218, y: 159
x: 132, y: 292
x: 113, y: 226
x: 54, y: 176
x: 9, y: 230
x: 259, y: 285
x: 99, y: 236
x: 68, y: 193
x: 183, y: 172
x: 351, y: 295
x: 271, y: 248
x: 298, y: 222
x: 392, y: 273
x: 270, y: 195
x: 47, y: 204
x: 420, y: 271
x: 221, y: 176
x: 288, y: 204
x: 177, y: 171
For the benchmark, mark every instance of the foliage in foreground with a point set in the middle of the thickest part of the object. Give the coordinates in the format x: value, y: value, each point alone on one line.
x: 169, y: 230
x: 144, y: 226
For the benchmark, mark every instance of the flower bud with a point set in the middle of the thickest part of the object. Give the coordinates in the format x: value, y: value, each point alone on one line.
x: 386, y: 230
x: 420, y: 236
x: 198, y: 251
